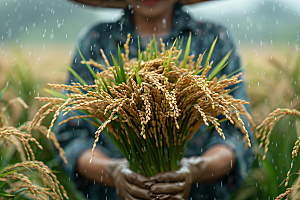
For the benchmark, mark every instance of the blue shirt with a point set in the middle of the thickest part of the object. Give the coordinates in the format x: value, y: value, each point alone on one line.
x: 78, y: 135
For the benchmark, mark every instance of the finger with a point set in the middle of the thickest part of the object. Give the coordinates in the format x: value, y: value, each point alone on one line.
x: 136, y: 191
x: 167, y: 188
x: 172, y: 176
x: 138, y: 179
x: 124, y: 195
x: 166, y: 196
x: 160, y: 196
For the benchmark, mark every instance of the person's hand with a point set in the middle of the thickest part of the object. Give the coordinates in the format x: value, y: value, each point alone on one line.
x: 175, y: 185
x: 129, y: 185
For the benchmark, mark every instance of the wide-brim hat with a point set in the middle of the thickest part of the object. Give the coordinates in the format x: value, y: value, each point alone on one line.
x: 121, y: 3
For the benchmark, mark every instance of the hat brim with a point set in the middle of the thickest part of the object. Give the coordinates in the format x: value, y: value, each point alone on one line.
x: 121, y: 3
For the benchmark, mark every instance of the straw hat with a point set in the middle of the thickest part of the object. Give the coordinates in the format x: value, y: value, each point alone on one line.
x: 121, y: 3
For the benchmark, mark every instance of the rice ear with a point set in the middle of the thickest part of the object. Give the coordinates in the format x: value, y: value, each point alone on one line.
x: 152, y: 109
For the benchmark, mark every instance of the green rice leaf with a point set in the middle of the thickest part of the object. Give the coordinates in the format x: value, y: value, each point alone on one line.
x: 146, y: 59
x: 8, y: 173
x: 121, y: 64
x: 139, y: 47
x: 115, y: 76
x: 210, y: 52
x: 198, y: 72
x: 56, y: 94
x: 118, y: 77
x: 105, y: 84
x: 270, y: 172
x: 170, y: 55
x: 6, y: 195
x: 164, y: 64
x: 212, y: 75
x: 187, y: 50
x: 155, y: 48
x: 151, y: 50
x: 140, y: 60
x: 102, y: 86
x: 81, y: 81
x: 181, y: 42
x: 88, y: 66
x: 105, y: 87
x: 143, y: 55
x: 114, y: 141
x: 219, y: 66
x: 3, y: 91
x: 296, y: 76
x: 233, y: 89
x: 109, y: 81
x: 138, y: 78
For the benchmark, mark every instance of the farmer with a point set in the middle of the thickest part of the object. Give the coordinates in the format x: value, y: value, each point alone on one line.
x: 212, y: 169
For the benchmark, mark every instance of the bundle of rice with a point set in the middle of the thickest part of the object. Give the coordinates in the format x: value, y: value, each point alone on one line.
x: 152, y: 106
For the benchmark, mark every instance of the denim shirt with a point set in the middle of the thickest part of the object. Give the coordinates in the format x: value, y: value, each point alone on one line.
x: 77, y: 136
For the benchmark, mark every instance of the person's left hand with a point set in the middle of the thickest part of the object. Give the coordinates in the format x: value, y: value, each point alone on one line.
x: 176, y: 185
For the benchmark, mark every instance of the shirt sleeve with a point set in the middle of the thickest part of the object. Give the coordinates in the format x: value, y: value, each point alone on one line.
x: 234, y: 137
x: 77, y: 135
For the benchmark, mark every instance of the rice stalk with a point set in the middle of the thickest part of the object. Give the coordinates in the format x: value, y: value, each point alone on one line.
x: 152, y: 106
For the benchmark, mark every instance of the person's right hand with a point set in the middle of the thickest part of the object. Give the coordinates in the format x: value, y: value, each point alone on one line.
x: 129, y: 185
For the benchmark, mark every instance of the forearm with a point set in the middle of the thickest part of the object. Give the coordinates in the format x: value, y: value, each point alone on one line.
x: 96, y: 169
x: 220, y: 160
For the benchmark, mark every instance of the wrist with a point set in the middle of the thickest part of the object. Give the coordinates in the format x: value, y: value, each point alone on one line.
x: 113, y: 167
x: 197, y: 167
